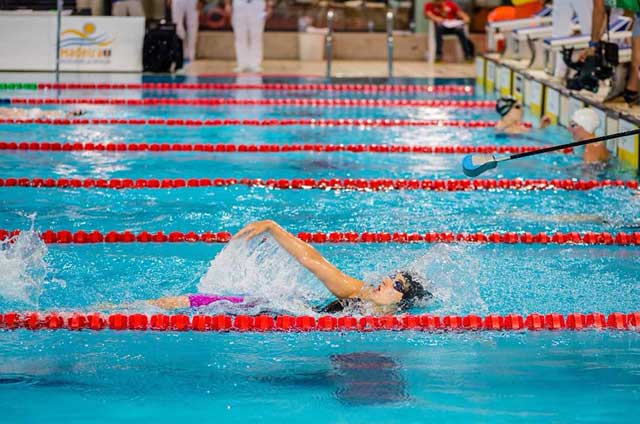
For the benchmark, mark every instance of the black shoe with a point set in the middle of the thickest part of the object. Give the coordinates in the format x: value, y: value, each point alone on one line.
x: 630, y: 96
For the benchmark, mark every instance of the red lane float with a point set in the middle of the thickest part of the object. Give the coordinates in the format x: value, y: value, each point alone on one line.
x: 261, y: 148
x: 369, y: 88
x: 286, y: 323
x: 510, y: 237
x: 378, y: 184
x: 346, y: 122
x: 163, y: 101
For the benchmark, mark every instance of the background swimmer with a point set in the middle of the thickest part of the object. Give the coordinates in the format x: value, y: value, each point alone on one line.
x: 37, y: 113
x: 583, y: 125
x: 511, y: 112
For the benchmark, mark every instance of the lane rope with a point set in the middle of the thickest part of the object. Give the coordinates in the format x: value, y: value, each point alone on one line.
x: 305, y: 323
x: 263, y: 148
x: 353, y: 184
x: 510, y: 237
x: 393, y: 88
x: 361, y: 122
x: 459, y: 104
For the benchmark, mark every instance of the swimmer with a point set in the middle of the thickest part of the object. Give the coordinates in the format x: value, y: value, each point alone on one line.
x: 582, y: 126
x: 511, y: 112
x: 37, y: 113
x: 395, y: 293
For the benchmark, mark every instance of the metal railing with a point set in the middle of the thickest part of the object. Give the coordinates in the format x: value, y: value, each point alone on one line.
x: 390, y: 43
x: 329, y: 42
x: 60, y: 5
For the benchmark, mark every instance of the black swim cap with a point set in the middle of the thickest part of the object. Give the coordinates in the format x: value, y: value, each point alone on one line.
x: 414, y: 290
x: 504, y: 105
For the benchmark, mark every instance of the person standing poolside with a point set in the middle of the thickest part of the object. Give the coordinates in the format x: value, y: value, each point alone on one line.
x: 126, y: 8
x: 583, y: 125
x: 181, y: 11
x: 398, y: 292
x: 448, y: 18
x: 248, y: 18
x: 511, y: 113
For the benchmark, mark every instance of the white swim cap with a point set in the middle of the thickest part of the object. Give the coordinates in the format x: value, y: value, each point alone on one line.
x: 587, y: 119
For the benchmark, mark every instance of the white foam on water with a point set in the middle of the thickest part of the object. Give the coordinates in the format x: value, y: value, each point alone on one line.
x: 450, y: 273
x: 263, y: 272
x: 23, y: 269
x: 271, y: 279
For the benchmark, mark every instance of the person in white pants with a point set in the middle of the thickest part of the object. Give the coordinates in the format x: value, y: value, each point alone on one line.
x: 561, y: 24
x: 127, y: 8
x: 182, y: 10
x: 248, y: 18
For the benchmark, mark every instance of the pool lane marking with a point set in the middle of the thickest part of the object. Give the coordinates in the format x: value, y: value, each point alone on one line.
x: 350, y: 184
x: 163, y: 101
x: 321, y: 87
x: 77, y: 321
x: 511, y: 237
x: 264, y: 148
x: 346, y: 122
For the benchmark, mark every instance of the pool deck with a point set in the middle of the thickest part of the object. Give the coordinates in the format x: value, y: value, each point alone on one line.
x: 342, y: 68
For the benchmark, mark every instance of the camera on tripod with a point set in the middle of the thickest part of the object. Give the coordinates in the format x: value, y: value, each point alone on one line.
x: 593, y: 69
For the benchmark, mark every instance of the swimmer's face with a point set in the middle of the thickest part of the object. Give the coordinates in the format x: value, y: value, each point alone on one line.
x: 389, y: 291
x: 577, y: 132
x: 515, y: 114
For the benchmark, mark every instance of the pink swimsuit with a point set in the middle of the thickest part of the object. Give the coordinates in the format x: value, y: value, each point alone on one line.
x: 198, y: 300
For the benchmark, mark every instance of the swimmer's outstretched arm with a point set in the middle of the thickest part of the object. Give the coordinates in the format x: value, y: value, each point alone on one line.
x: 337, y: 282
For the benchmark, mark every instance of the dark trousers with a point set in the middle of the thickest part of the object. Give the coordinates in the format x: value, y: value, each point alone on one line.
x: 467, y: 45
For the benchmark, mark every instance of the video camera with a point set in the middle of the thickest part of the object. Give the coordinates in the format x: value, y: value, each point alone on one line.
x: 593, y: 69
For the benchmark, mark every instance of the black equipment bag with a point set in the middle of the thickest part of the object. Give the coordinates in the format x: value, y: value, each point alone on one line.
x: 162, y: 48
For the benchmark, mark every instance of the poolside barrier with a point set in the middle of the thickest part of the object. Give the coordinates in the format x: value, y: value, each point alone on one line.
x: 361, y: 122
x: 376, y: 184
x: 510, y: 237
x: 286, y: 323
x: 257, y: 102
x: 394, y: 88
x: 265, y: 148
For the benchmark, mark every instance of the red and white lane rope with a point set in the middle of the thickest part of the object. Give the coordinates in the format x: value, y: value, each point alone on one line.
x: 369, y: 88
x: 305, y: 323
x: 262, y: 148
x: 261, y: 122
x: 378, y: 184
x: 511, y: 237
x: 162, y: 101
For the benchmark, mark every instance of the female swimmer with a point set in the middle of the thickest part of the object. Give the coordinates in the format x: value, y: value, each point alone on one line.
x: 398, y: 292
x: 511, y: 113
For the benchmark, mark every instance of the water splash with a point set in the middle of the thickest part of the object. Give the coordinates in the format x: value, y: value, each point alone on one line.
x: 272, y: 280
x: 450, y: 273
x: 263, y: 272
x: 24, y: 269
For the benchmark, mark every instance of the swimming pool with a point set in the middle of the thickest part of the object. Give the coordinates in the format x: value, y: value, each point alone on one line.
x: 382, y: 376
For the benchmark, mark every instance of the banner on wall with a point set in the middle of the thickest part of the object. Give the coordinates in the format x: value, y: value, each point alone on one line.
x: 87, y: 43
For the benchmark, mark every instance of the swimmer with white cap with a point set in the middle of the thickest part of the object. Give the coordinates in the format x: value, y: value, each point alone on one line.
x: 583, y: 125
x: 37, y: 113
x: 511, y: 112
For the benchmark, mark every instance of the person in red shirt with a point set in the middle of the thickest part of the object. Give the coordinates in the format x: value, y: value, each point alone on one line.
x: 444, y: 14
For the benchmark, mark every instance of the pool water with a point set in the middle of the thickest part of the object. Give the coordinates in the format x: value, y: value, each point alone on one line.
x: 404, y: 377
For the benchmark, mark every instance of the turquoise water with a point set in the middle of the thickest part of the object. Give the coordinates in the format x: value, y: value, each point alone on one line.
x: 381, y: 377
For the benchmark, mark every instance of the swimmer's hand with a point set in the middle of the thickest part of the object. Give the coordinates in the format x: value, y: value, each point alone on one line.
x: 545, y: 121
x: 255, y: 229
